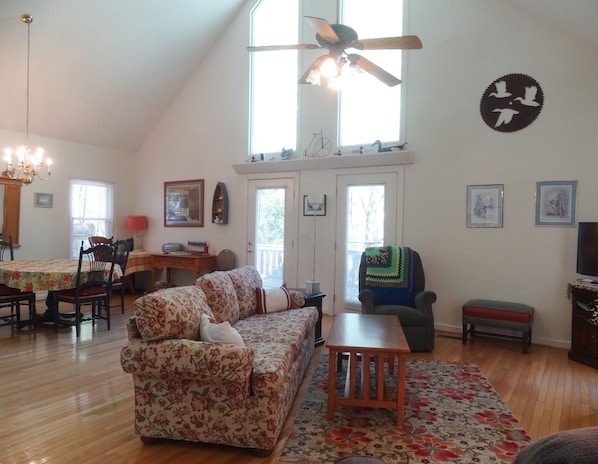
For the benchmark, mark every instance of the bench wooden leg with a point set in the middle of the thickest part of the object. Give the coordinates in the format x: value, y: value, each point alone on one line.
x: 464, y: 336
x: 527, y: 340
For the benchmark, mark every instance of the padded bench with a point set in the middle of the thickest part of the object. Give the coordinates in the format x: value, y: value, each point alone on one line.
x: 498, y: 314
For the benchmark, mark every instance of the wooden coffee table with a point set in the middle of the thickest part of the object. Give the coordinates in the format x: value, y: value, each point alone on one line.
x: 371, y: 336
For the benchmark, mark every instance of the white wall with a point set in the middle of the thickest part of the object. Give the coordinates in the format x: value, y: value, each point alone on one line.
x: 44, y: 232
x: 467, y: 45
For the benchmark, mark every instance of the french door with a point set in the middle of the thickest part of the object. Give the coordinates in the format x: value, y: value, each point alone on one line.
x: 271, y: 226
x: 370, y: 211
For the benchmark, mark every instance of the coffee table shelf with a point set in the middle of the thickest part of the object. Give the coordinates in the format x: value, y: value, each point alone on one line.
x: 367, y: 336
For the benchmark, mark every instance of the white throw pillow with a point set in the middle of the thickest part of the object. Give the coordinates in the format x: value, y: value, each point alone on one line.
x: 272, y: 300
x: 218, y: 332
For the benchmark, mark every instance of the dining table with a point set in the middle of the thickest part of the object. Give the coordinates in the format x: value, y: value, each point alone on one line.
x: 47, y: 275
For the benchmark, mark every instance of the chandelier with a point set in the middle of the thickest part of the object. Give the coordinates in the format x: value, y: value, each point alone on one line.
x: 28, y: 165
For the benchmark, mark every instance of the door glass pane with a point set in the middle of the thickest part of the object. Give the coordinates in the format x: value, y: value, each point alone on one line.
x: 365, y: 228
x: 269, y: 235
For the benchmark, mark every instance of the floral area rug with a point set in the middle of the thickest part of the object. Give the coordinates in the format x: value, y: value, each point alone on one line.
x: 452, y: 414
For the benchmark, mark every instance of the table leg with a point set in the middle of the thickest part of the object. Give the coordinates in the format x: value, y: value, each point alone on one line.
x: 51, y: 313
x: 331, y: 382
x: 401, y: 378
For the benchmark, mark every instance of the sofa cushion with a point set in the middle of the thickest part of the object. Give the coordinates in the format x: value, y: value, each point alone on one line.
x: 284, y: 328
x: 272, y: 300
x: 271, y: 365
x: 277, y: 339
x: 212, y: 331
x: 220, y: 295
x: 171, y: 313
x: 245, y: 280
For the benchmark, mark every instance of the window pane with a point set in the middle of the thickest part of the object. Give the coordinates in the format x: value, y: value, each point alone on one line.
x: 91, y: 212
x: 273, y: 116
x: 269, y: 235
x: 369, y: 109
x: 365, y: 228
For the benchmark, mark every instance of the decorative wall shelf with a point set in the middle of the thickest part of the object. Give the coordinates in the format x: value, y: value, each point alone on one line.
x: 220, y: 205
x: 330, y: 162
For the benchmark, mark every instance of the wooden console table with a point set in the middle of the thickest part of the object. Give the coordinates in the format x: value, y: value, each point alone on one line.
x: 191, y: 262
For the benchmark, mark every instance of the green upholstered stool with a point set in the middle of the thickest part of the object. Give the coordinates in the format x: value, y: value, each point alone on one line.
x: 501, y: 315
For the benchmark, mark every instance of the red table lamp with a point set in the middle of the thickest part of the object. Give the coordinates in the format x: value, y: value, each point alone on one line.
x: 136, y: 223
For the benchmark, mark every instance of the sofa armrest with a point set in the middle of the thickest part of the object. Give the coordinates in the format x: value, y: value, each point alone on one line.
x: 132, y: 329
x: 204, y: 362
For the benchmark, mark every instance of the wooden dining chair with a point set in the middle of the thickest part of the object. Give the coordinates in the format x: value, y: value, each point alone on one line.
x: 93, y: 285
x: 11, y: 297
x: 99, y: 240
x: 121, y: 249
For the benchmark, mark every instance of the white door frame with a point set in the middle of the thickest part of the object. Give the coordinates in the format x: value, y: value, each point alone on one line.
x: 393, y: 179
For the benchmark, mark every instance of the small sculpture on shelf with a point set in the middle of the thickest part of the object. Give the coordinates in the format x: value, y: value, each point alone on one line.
x: 286, y: 153
x: 397, y: 147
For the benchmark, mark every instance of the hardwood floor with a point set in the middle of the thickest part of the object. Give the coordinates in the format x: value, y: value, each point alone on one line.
x: 64, y: 400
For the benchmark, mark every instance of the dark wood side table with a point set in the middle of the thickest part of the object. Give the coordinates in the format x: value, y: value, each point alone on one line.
x: 315, y: 299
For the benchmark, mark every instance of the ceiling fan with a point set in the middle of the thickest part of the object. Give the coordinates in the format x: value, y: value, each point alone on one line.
x: 337, y: 38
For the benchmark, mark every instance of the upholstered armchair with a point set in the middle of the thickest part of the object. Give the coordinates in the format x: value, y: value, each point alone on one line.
x: 392, y: 281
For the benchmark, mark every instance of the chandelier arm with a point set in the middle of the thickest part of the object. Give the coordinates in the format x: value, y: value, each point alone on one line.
x: 27, y: 166
x: 28, y: 77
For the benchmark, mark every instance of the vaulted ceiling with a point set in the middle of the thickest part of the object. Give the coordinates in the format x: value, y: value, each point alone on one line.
x: 104, y: 71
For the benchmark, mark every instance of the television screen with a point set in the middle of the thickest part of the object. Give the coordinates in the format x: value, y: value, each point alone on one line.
x: 587, y: 248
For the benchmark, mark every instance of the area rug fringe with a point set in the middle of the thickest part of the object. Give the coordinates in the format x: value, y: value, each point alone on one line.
x: 452, y: 414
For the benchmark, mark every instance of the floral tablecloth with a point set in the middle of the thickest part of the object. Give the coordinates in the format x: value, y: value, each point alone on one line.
x: 44, y: 274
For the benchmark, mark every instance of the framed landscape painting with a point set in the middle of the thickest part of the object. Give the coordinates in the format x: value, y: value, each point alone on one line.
x: 183, y: 203
x: 43, y: 200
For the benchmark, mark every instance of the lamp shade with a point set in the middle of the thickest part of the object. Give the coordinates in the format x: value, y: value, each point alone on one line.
x: 136, y: 222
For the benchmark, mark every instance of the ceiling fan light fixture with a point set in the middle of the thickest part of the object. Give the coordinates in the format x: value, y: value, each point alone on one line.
x: 314, y: 76
x: 330, y: 68
x: 337, y: 38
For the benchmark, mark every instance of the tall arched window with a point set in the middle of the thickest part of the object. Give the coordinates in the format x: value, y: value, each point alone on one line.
x: 368, y: 109
x: 273, y: 106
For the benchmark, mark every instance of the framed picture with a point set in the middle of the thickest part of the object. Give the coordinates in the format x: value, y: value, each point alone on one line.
x: 43, y: 200
x: 484, y: 205
x: 183, y: 203
x: 314, y: 205
x: 555, y: 203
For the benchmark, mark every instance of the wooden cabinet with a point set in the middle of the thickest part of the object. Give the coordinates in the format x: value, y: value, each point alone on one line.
x: 220, y: 205
x: 584, y: 327
x: 12, y: 208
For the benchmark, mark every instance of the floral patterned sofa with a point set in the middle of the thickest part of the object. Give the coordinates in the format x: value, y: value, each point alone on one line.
x: 236, y: 391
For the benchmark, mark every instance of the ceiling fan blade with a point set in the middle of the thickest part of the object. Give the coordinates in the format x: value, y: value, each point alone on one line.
x: 265, y: 48
x: 316, y: 64
x: 374, y: 70
x: 407, y: 42
x: 323, y: 28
